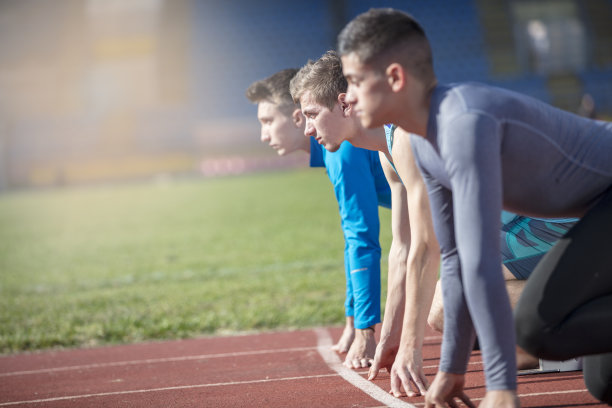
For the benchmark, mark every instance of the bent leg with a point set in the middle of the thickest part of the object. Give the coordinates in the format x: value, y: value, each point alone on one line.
x: 524, y: 360
x: 514, y: 287
x: 435, y: 320
x: 570, y: 293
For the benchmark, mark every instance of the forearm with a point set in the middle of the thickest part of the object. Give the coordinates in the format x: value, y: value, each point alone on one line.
x: 420, y: 284
x: 424, y: 255
x: 396, y: 297
x: 398, y: 254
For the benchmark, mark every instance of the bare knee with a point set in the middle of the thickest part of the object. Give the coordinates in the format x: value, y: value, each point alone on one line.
x: 435, y: 320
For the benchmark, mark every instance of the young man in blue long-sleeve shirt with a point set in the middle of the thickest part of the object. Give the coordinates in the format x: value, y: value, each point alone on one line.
x: 359, y: 186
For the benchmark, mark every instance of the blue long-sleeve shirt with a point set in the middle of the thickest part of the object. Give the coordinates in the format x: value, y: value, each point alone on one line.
x: 360, y: 187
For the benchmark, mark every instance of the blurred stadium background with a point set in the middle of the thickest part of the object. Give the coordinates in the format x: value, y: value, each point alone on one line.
x: 104, y: 90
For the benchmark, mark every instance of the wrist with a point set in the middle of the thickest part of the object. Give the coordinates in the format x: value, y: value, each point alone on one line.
x: 367, y: 331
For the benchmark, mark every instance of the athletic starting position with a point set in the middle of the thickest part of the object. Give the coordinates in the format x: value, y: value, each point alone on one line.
x: 320, y: 87
x: 523, y: 240
x: 480, y: 148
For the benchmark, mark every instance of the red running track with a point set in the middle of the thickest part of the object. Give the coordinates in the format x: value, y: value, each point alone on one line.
x: 277, y: 369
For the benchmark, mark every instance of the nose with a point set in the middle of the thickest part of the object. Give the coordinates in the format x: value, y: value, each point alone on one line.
x: 309, y: 130
x: 351, y: 97
x: 265, y: 137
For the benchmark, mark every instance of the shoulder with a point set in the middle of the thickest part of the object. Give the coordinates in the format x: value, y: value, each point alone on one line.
x: 464, y: 110
x: 483, y: 99
x: 452, y: 100
x: 349, y: 155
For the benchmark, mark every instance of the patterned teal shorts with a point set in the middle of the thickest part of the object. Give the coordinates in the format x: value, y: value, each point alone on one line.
x: 524, y: 241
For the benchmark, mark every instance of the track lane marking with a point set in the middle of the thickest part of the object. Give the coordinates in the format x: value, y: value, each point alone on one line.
x: 324, y: 343
x: 179, y: 387
x: 165, y: 360
x: 154, y: 361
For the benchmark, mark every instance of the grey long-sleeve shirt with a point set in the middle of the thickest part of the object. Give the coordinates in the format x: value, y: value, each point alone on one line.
x: 488, y: 148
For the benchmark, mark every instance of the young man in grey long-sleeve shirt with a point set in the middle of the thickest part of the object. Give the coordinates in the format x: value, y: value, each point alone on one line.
x: 481, y: 149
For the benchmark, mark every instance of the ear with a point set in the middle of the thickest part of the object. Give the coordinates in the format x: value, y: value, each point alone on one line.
x: 345, y: 107
x: 298, y: 118
x: 396, y: 76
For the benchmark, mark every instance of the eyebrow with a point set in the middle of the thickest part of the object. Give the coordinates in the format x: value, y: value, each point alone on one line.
x: 310, y: 110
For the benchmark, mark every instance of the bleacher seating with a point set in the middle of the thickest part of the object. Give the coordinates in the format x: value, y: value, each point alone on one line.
x: 264, y: 37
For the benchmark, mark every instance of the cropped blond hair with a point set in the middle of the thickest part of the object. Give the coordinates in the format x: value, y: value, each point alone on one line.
x: 323, y: 78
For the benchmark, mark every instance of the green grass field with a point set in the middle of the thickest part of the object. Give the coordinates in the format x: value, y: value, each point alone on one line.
x: 113, y: 264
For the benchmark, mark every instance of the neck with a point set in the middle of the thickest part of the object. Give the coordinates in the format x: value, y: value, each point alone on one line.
x: 370, y: 139
x: 418, y: 107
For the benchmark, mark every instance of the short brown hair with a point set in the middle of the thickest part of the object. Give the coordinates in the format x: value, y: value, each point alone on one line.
x: 380, y: 35
x: 273, y: 89
x: 323, y: 78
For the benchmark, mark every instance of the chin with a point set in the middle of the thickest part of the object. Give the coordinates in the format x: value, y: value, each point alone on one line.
x: 332, y: 148
x: 367, y: 122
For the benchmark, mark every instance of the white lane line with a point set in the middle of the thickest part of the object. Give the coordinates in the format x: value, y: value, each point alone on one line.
x: 537, y: 394
x: 164, y: 360
x: 154, y: 361
x: 533, y: 394
x: 181, y: 387
x: 324, y: 342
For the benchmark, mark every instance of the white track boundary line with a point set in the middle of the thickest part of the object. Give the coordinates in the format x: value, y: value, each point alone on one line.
x: 163, y: 360
x: 537, y: 394
x: 180, y: 387
x: 324, y: 342
x: 153, y: 361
